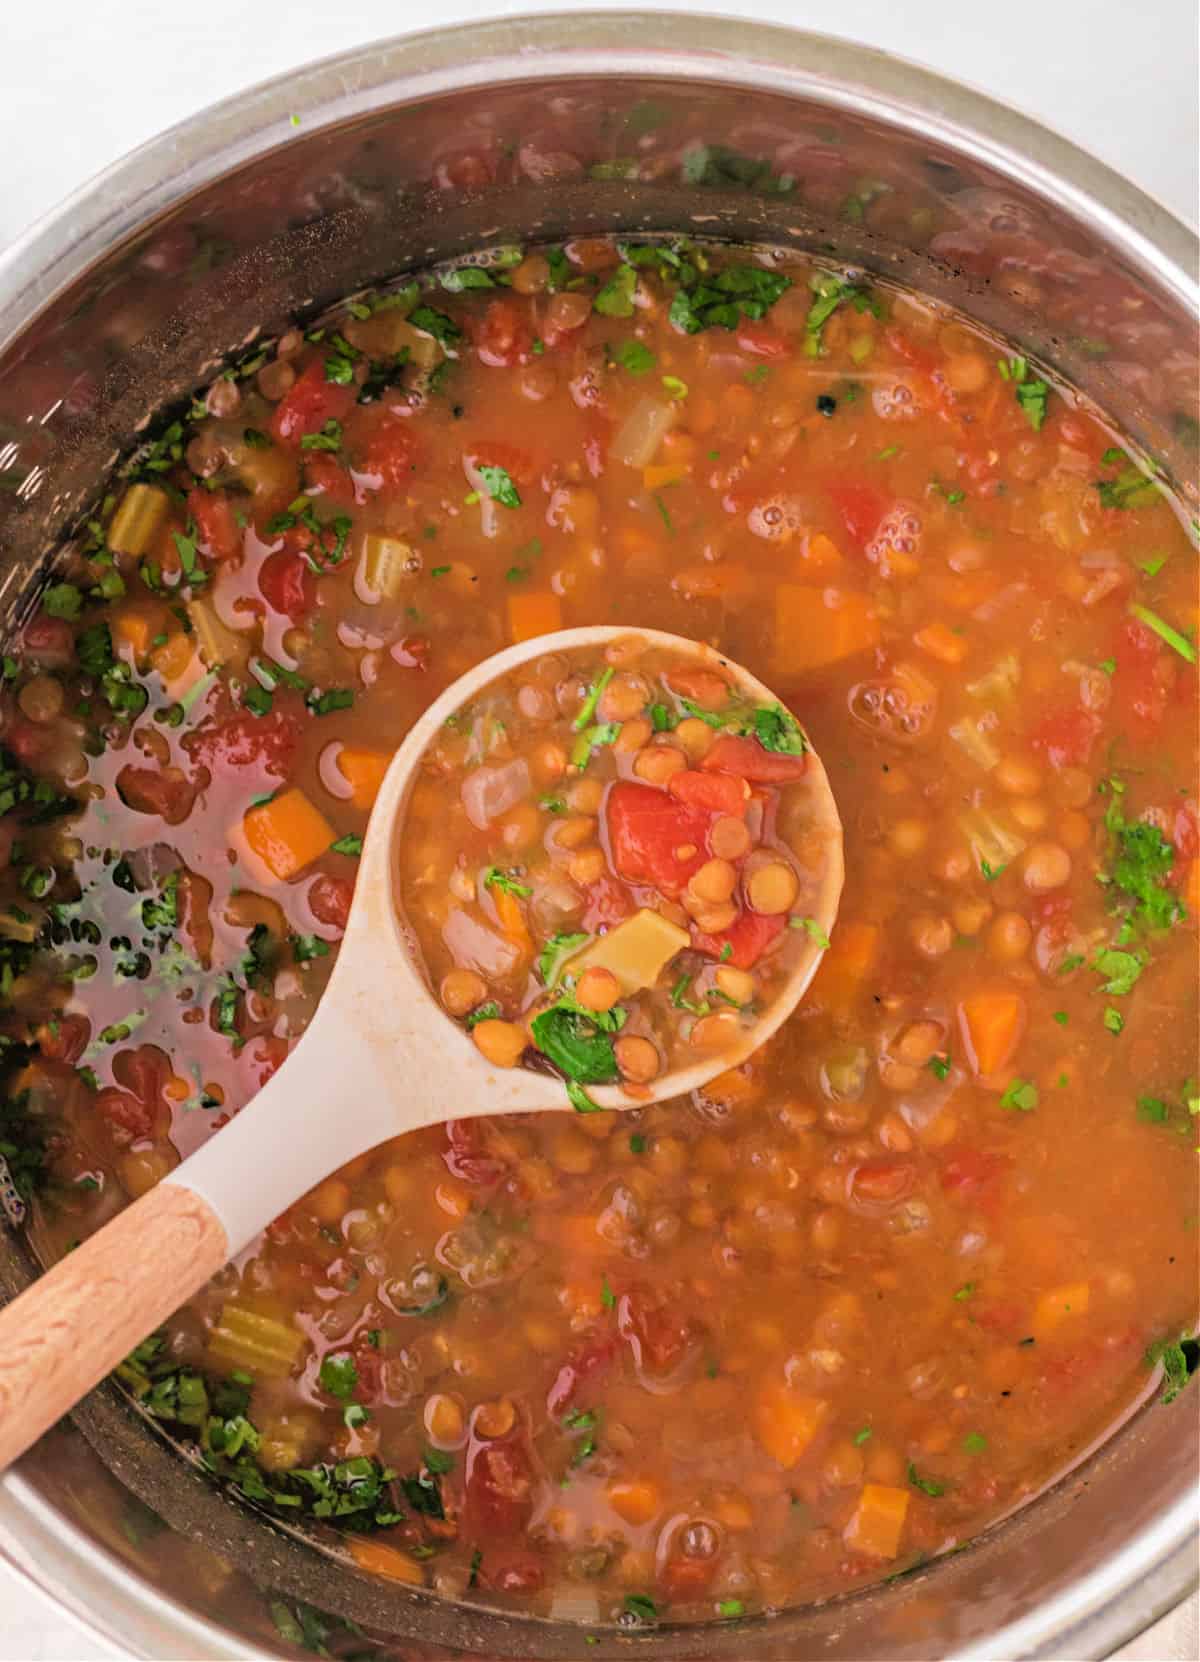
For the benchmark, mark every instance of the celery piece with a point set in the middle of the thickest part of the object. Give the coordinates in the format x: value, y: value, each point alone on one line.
x: 139, y: 517
x: 263, y: 1345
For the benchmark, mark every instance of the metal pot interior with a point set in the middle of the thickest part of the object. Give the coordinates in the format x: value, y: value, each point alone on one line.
x: 281, y: 202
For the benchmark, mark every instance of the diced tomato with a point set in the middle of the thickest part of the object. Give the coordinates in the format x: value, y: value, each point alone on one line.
x: 286, y: 583
x: 503, y: 336
x: 748, y: 759
x: 219, y: 534
x: 577, y: 1372
x: 194, y: 897
x: 167, y: 792
x: 658, y: 1334
x: 521, y: 467
x: 715, y: 793
x: 860, y: 509
x: 247, y: 741
x: 748, y: 937
x: 50, y: 640
x: 648, y: 832
x: 972, y: 1177
x: 467, y: 1156
x: 1065, y: 737
x: 499, y: 1487
x: 607, y: 903
x: 761, y: 340
x: 324, y: 476
x: 513, y: 1572
x: 884, y: 1181
x: 1140, y: 698
x: 683, y: 1579
x: 329, y: 899
x: 64, y: 1038
x: 391, y: 454
x: 308, y: 404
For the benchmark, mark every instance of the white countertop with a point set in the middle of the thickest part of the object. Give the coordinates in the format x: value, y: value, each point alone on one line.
x: 83, y: 81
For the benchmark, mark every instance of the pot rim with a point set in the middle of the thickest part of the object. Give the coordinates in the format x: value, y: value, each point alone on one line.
x: 1095, y: 1616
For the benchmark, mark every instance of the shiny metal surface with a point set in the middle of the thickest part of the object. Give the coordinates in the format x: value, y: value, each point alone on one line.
x: 422, y: 148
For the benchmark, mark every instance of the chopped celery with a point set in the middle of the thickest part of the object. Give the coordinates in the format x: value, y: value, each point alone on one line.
x: 388, y: 563
x: 139, y: 517
x: 263, y: 1345
x: 970, y: 735
x: 215, y: 643
x: 998, y: 682
x: 993, y: 841
x: 636, y: 951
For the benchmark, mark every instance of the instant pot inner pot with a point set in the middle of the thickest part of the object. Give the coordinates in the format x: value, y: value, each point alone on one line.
x: 334, y: 208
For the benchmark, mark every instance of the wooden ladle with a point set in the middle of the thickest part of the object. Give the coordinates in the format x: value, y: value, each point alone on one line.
x: 379, y: 1058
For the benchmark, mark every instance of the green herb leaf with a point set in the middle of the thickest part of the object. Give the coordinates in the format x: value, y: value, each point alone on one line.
x: 494, y: 878
x: 351, y: 845
x: 812, y: 929
x: 1179, y: 1359
x: 575, y: 1044
x: 776, y: 729
x: 636, y: 358
x: 499, y: 485
x: 329, y: 438
x: 338, y: 1374
x: 926, y: 1485
x: 336, y: 698
x: 306, y: 947
x: 1121, y: 968
x: 484, y: 1012
x: 443, y: 329
x: 1022, y: 1095
x: 594, y: 694
x: 615, y: 299
x: 555, y: 954
x: 1114, y: 1021
x: 642, y: 1609
x: 62, y: 600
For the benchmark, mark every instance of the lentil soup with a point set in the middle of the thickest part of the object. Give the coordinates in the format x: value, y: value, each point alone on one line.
x: 697, y: 824
x: 864, y: 1293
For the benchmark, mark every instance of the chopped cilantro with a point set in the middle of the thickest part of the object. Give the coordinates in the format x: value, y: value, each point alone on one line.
x: 812, y: 929
x: 926, y: 1485
x: 1121, y: 968
x: 499, y: 485
x: 329, y: 438
x: 636, y: 358
x: 939, y: 1066
x: 1114, y: 1021
x: 642, y: 1609
x: 1021, y: 1095
x: 485, y: 1012
x: 338, y: 1374
x: 494, y: 878
x: 557, y: 950
x: 607, y: 1297
x: 974, y: 1443
x: 62, y: 600
x: 1179, y: 1359
x: 347, y: 845
x: 305, y: 947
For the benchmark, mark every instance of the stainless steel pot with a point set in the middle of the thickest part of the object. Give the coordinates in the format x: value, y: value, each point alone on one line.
x: 423, y: 148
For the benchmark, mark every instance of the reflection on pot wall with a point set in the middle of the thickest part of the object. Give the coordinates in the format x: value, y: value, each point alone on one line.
x: 337, y: 209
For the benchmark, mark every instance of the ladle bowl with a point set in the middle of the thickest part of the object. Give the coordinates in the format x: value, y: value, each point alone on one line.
x: 379, y: 1058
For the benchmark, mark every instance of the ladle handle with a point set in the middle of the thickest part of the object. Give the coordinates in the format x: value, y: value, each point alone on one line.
x: 84, y: 1316
x: 76, y: 1322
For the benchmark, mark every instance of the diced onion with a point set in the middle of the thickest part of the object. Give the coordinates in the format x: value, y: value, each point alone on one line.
x: 643, y: 430
x: 490, y: 791
x: 969, y: 734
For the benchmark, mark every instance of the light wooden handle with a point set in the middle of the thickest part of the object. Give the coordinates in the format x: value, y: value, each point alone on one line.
x: 84, y: 1316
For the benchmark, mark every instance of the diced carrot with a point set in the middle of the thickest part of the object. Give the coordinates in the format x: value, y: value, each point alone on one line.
x: 845, y: 968
x: 736, y: 1514
x: 453, y: 1198
x: 819, y: 553
x: 173, y: 657
x: 878, y: 1521
x: 378, y: 1558
x: 137, y: 627
x: 287, y: 833
x: 819, y: 626
x: 1057, y: 1305
x: 991, y: 1025
x: 533, y: 614
x: 512, y: 919
x: 363, y: 771
x: 940, y: 641
x: 658, y: 474
x: 635, y: 1499
x: 574, y: 1233
x: 786, y: 1421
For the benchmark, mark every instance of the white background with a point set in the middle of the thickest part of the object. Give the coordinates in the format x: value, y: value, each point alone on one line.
x: 84, y: 81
